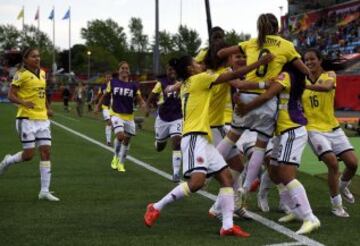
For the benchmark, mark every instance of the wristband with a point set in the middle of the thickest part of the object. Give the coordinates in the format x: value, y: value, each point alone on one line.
x: 262, y: 85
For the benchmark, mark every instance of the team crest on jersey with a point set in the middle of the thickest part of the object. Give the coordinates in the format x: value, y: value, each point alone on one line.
x: 200, y: 160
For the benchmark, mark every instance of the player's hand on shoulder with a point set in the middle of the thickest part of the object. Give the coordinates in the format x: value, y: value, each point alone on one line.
x: 266, y: 59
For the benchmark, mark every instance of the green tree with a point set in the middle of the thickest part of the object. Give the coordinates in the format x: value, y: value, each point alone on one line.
x: 107, y: 35
x: 187, y: 40
x: 232, y: 37
x: 9, y: 37
x: 166, y: 42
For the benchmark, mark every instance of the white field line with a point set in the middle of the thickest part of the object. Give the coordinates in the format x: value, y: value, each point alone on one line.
x: 65, y: 117
x: 286, y: 244
x: 266, y: 222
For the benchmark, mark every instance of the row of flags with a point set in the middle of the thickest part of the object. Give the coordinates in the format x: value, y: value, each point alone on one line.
x: 37, y: 15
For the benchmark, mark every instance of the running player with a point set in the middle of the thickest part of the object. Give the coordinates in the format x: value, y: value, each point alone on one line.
x: 261, y: 120
x: 168, y: 122
x: 28, y: 92
x: 289, y: 143
x: 200, y: 157
x: 326, y: 138
x: 123, y: 92
x: 105, y: 108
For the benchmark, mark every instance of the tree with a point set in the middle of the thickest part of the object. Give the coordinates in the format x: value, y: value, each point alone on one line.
x: 187, y: 40
x: 107, y: 35
x: 233, y: 37
x: 166, y: 42
x: 9, y: 37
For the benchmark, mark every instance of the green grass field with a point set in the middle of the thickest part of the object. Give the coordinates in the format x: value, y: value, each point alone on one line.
x: 100, y: 206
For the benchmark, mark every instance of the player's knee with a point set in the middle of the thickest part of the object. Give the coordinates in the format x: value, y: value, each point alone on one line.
x: 352, y: 163
x: 28, y: 154
x: 45, y: 154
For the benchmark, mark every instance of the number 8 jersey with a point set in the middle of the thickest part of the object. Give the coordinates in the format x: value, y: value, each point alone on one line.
x: 31, y: 88
x: 319, y: 106
x: 283, y: 50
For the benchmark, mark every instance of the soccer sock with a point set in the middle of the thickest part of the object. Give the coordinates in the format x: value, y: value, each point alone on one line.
x: 176, y: 161
x: 15, y: 158
x: 117, y: 146
x: 45, y: 175
x: 123, y: 152
x: 343, y: 184
x: 301, y: 202
x: 336, y: 201
x: 175, y: 194
x: 226, y: 199
x: 108, y: 133
x: 265, y: 184
x: 285, y: 198
x: 225, y: 146
x: 254, y: 167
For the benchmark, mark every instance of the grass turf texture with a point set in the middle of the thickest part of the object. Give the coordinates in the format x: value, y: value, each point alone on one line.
x: 100, y: 206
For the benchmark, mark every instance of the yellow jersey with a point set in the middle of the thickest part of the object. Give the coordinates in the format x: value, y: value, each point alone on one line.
x: 157, y: 90
x: 218, y: 102
x: 31, y: 88
x: 284, y: 121
x: 319, y: 106
x: 200, y: 57
x: 283, y: 50
x: 196, y: 95
x: 228, y: 112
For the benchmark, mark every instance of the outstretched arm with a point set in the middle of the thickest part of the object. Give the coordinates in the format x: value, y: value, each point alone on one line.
x: 225, y: 52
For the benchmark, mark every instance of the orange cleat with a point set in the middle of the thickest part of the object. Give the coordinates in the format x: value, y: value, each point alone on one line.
x: 255, y: 185
x: 234, y: 231
x: 151, y: 215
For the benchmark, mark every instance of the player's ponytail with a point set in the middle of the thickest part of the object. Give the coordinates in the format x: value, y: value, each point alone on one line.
x: 267, y: 24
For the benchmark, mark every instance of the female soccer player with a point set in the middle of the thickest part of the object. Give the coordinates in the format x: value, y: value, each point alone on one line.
x: 200, y: 157
x: 261, y: 120
x: 123, y: 92
x: 289, y: 143
x: 169, y: 119
x: 326, y: 138
x: 28, y: 92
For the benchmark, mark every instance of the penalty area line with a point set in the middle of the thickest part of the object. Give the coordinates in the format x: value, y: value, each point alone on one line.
x: 266, y: 222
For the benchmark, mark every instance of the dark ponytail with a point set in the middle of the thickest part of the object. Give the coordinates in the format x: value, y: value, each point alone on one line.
x: 181, y: 66
x: 267, y: 24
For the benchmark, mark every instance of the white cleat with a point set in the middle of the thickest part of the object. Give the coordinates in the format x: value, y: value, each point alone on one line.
x: 263, y: 203
x: 309, y: 226
x: 339, y: 211
x: 243, y: 213
x: 287, y: 218
x: 48, y: 196
x: 347, y: 195
x: 3, y: 166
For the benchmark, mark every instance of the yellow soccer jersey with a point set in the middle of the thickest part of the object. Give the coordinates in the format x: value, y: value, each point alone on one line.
x: 196, y: 94
x: 228, y: 112
x: 283, y: 50
x: 284, y: 121
x: 217, y: 102
x: 319, y: 106
x: 157, y: 90
x: 31, y: 89
x: 201, y: 55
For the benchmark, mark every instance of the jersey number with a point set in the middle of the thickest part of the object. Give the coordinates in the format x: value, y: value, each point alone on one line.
x: 41, y: 93
x: 186, y: 98
x: 262, y: 70
x: 314, y: 101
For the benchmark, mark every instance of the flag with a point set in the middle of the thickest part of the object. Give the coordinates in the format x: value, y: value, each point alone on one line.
x: 67, y: 15
x: 37, y: 15
x: 349, y: 18
x: 21, y: 14
x: 52, y: 13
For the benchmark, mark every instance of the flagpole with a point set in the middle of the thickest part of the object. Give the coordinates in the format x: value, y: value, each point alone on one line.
x: 23, y: 27
x: 54, y: 64
x: 38, y: 19
x: 69, y: 44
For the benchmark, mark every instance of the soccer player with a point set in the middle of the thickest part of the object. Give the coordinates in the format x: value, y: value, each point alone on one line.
x: 289, y: 143
x: 200, y: 157
x: 28, y: 92
x: 123, y: 92
x: 261, y: 120
x: 79, y: 98
x: 105, y: 108
x: 168, y: 122
x: 327, y: 139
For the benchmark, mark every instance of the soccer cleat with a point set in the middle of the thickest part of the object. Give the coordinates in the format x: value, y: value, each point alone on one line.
x: 339, y: 211
x: 214, y: 213
x: 151, y: 215
x: 263, y: 203
x: 43, y: 195
x: 255, y: 185
x: 309, y: 226
x: 240, y: 198
x: 287, y: 218
x: 347, y: 195
x: 3, y: 166
x: 236, y: 231
x: 121, y: 167
x: 114, y: 163
x: 176, y: 178
x: 243, y: 213
x: 109, y: 144
x: 283, y: 208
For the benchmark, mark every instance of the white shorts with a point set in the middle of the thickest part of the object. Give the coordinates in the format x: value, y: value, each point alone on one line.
x: 227, y: 127
x: 289, y: 146
x: 164, y: 129
x: 325, y: 142
x: 120, y: 125
x: 262, y: 119
x: 247, y: 141
x: 218, y: 134
x: 33, y: 132
x: 200, y: 156
x: 106, y: 114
